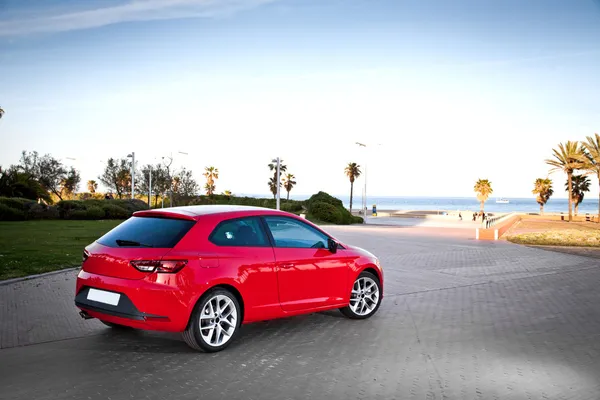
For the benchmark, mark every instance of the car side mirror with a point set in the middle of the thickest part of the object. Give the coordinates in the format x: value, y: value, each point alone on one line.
x: 332, y: 245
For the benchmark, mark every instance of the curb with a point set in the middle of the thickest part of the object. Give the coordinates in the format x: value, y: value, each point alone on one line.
x: 29, y: 277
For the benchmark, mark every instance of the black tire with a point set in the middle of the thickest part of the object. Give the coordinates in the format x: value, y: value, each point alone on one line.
x: 115, y: 326
x: 192, y: 334
x: 349, y: 312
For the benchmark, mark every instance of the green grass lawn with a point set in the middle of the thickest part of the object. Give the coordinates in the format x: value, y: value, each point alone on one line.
x: 33, y: 247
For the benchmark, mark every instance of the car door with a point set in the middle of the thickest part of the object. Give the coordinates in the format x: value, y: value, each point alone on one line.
x: 308, y: 274
x: 245, y: 251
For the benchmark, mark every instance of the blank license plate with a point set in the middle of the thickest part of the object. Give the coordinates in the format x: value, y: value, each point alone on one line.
x: 103, y: 296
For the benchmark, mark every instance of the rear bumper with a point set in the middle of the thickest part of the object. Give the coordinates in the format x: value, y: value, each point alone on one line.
x: 143, y: 304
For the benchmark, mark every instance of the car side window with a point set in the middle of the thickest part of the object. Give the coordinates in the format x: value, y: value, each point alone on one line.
x: 288, y: 232
x: 240, y: 232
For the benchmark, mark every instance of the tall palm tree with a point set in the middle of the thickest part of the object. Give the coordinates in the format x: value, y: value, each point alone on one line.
x: 543, y: 188
x: 352, y: 171
x: 289, y: 183
x: 272, y: 184
x: 92, y: 186
x: 581, y: 184
x: 483, y: 188
x: 567, y: 158
x: 592, y: 161
x: 211, y: 174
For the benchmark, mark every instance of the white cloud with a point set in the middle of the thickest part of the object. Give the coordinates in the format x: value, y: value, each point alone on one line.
x: 128, y: 11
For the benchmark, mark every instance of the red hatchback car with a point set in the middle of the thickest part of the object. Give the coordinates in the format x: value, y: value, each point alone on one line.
x: 205, y: 270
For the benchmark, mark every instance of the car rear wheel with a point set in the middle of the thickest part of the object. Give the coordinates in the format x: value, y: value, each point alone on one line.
x: 365, y: 297
x: 215, y: 321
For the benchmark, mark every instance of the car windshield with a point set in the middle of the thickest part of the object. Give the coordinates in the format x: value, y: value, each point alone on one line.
x: 147, y: 232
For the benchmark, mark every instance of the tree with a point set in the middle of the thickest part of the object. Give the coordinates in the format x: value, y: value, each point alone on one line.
x: 211, y: 174
x: 117, y: 175
x: 15, y: 183
x: 29, y: 163
x: 543, y: 189
x: 568, y: 158
x: 592, y: 161
x: 92, y: 186
x: 160, y: 181
x: 184, y: 184
x: 52, y: 174
x: 483, y: 189
x: 273, y: 181
x: 289, y: 183
x: 580, y: 185
x: 352, y: 171
x: 70, y: 183
x: 227, y: 193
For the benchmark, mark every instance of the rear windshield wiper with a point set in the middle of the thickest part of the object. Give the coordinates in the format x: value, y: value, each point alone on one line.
x: 122, y: 243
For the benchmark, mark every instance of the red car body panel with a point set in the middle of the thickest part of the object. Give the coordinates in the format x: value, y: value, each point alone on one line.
x: 271, y: 282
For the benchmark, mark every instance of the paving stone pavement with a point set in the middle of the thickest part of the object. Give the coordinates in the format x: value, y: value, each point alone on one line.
x: 460, y: 320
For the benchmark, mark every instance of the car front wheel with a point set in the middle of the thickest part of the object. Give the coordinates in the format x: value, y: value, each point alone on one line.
x: 365, y: 297
x: 215, y: 321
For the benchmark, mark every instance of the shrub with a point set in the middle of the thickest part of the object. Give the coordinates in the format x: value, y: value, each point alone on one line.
x: 42, y: 211
x: 10, y: 214
x: 112, y: 211
x: 16, y: 202
x: 357, y: 220
x: 324, y: 198
x: 67, y: 207
x: 326, y: 212
x: 292, y: 207
x: 95, y: 213
x: 78, y: 214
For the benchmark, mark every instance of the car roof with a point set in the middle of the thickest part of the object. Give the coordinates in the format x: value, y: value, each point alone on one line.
x: 194, y: 212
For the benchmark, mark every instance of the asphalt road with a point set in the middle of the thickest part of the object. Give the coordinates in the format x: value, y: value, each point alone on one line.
x: 460, y: 320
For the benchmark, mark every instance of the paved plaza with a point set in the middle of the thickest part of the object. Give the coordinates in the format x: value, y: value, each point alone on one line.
x: 461, y: 319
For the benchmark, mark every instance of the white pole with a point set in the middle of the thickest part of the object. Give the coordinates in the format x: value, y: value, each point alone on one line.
x: 132, y: 174
x: 278, y: 185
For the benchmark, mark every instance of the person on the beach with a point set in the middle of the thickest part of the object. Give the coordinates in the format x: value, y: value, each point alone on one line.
x: 460, y: 216
x: 474, y: 217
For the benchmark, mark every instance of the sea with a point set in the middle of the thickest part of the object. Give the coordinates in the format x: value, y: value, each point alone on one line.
x: 525, y: 205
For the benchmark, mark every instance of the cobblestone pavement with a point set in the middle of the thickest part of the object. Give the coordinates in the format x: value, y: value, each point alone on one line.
x: 461, y: 320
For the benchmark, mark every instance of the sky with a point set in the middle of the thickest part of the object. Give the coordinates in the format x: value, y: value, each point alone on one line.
x: 442, y: 92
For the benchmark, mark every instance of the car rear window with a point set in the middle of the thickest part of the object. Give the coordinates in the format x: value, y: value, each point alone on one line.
x: 147, y: 232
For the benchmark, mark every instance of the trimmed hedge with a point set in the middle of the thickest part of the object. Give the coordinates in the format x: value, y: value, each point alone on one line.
x: 326, y: 212
x: 18, y: 209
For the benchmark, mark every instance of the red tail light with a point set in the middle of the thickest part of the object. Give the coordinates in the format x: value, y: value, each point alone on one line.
x: 165, y: 266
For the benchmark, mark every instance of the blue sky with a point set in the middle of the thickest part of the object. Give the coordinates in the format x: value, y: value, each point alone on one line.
x: 452, y: 90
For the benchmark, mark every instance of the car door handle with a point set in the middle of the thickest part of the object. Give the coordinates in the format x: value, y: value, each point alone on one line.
x: 287, y: 266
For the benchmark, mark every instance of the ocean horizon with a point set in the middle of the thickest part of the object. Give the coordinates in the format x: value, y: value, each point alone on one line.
x: 416, y: 203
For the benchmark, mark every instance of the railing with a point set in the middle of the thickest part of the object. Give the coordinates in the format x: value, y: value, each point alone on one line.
x: 488, y: 223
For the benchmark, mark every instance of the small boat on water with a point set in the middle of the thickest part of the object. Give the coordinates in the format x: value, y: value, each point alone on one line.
x: 502, y: 201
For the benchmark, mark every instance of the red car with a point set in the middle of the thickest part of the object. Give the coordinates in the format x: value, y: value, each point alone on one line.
x: 205, y: 270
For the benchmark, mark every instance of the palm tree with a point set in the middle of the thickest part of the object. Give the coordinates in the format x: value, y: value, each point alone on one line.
x: 581, y: 184
x: 92, y: 186
x: 211, y: 174
x: 282, y: 169
x: 483, y: 188
x: 543, y: 188
x: 568, y: 158
x: 592, y: 161
x: 288, y: 183
x: 352, y: 171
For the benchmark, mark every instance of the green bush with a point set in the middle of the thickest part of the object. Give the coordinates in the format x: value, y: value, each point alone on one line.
x: 357, y: 220
x: 292, y: 206
x: 78, y: 214
x: 42, y: 211
x: 326, y: 212
x: 324, y: 198
x: 112, y: 211
x: 10, y: 214
x: 17, y: 202
x: 95, y: 213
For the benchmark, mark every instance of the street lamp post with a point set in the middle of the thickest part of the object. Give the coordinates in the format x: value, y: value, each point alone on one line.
x: 364, y: 200
x: 278, y: 161
x: 132, y: 155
